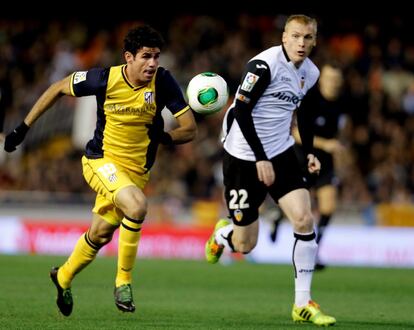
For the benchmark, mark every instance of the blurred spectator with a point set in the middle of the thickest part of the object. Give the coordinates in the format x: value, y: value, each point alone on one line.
x: 379, y: 81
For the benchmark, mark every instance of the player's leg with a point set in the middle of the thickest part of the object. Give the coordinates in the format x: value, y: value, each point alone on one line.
x: 243, y: 194
x: 294, y: 199
x: 326, y: 196
x: 83, y: 254
x: 132, y: 201
x: 106, y: 178
x: 297, y: 207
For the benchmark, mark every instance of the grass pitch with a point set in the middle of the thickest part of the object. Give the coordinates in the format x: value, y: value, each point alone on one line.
x: 171, y: 294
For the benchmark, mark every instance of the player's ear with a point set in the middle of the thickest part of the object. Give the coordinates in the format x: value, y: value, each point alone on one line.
x: 128, y: 57
x: 284, y: 37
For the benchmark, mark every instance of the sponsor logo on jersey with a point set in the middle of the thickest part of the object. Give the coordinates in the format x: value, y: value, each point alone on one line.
x: 79, y: 77
x: 261, y: 66
x: 249, y: 81
x: 284, y: 78
x: 243, y: 98
x: 288, y: 97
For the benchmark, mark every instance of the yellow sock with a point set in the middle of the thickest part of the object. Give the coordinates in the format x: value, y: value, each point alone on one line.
x: 82, y: 255
x: 129, y: 235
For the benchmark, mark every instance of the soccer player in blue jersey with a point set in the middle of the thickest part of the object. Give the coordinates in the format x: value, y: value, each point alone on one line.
x: 118, y: 159
x: 259, y: 156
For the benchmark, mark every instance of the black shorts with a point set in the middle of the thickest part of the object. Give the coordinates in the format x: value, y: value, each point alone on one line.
x: 244, y: 193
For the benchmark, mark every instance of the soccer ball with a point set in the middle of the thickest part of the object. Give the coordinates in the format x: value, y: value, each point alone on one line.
x: 207, y: 93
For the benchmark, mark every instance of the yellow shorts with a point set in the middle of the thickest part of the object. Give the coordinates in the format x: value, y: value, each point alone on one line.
x: 107, y: 178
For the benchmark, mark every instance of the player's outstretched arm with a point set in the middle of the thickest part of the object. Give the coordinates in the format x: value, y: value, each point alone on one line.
x: 186, y: 130
x: 48, y: 98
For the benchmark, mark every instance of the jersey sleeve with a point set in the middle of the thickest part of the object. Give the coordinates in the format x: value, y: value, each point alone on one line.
x: 255, y: 80
x: 306, y: 114
x: 170, y: 94
x: 92, y: 82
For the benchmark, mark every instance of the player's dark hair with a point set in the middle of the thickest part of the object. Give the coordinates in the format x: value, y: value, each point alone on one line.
x: 142, y: 36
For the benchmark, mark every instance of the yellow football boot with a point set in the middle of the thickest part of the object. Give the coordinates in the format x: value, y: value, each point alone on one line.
x: 214, y: 250
x: 311, y: 313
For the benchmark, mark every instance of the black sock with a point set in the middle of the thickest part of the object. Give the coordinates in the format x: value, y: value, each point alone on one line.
x: 323, y: 222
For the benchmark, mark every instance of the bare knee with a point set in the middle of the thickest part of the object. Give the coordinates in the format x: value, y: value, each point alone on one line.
x: 303, y: 222
x: 137, y: 209
x: 132, y: 202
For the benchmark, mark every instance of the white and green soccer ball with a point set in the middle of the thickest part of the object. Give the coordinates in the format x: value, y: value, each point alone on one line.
x: 207, y: 93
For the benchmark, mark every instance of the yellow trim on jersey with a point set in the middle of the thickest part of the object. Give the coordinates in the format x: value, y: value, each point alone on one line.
x: 72, y: 92
x: 179, y: 113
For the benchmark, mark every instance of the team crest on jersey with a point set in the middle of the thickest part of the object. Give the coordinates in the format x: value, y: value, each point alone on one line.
x: 249, y: 81
x: 238, y: 215
x: 112, y: 178
x: 79, y: 77
x: 148, y: 97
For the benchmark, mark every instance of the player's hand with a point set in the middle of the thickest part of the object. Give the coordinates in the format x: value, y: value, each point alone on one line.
x: 265, y: 172
x: 158, y: 135
x: 16, y: 137
x: 314, y: 165
x: 1, y: 138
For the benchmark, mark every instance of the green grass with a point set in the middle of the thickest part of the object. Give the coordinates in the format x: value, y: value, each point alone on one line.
x: 171, y: 294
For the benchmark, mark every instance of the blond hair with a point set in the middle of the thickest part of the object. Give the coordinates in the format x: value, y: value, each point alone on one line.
x: 303, y: 19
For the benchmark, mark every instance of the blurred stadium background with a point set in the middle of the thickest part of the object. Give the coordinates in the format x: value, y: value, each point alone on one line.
x: 45, y: 203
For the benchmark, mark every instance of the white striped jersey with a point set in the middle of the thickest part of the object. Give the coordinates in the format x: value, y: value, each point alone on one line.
x: 274, y: 88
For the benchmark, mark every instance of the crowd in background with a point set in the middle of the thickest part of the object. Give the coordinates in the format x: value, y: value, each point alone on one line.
x: 377, y: 57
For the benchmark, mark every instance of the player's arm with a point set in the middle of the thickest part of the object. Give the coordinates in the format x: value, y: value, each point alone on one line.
x: 186, y: 130
x: 175, y: 102
x: 305, y: 120
x: 48, y: 98
x: 255, y: 80
x: 92, y: 82
x: 330, y: 146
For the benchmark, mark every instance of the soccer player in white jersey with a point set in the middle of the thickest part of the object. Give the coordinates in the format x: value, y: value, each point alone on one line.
x: 259, y: 156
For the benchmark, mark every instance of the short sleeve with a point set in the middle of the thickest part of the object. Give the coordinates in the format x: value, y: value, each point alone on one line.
x: 92, y: 82
x: 169, y: 93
